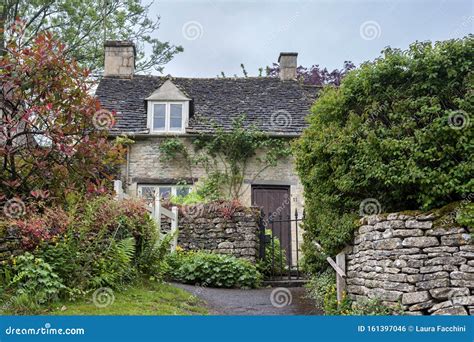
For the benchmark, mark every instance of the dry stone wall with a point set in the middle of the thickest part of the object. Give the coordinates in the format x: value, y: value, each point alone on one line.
x: 205, y: 227
x: 9, y: 245
x: 408, y: 260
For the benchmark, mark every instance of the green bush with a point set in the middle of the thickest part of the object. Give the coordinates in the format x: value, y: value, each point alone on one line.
x: 320, y: 285
x: 397, y: 131
x: 465, y: 215
x: 213, y: 270
x: 35, y: 283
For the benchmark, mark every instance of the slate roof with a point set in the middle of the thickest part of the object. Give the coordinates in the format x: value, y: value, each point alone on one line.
x: 274, y: 106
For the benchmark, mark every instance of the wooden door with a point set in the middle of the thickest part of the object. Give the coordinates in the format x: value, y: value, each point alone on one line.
x: 275, y: 202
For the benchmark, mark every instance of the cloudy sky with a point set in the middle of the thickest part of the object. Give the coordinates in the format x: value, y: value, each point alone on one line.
x: 219, y: 35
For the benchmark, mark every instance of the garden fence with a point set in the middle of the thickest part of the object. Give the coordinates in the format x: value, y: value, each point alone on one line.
x: 156, y: 211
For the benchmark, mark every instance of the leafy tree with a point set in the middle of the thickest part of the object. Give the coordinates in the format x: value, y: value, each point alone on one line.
x: 396, y: 132
x: 53, y: 133
x: 84, y: 25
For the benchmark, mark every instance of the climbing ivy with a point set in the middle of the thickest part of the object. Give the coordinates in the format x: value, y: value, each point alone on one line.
x: 225, y: 156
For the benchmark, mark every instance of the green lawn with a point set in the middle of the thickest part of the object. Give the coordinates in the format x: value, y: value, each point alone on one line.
x: 145, y: 298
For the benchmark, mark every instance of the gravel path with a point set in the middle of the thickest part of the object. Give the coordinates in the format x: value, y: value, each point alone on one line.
x: 254, y: 302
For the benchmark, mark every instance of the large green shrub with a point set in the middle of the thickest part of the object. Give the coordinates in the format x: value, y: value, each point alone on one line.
x: 397, y: 132
x: 213, y: 270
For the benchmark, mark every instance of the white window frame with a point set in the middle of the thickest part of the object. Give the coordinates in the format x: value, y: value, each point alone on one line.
x: 157, y: 187
x: 184, y: 116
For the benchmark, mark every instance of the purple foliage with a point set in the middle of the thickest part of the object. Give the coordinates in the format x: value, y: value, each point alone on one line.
x: 315, y: 75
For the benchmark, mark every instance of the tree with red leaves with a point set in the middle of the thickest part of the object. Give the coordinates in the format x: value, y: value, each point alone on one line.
x: 53, y: 132
x: 315, y: 75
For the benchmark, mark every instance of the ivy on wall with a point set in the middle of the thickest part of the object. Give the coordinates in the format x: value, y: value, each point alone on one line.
x: 225, y: 155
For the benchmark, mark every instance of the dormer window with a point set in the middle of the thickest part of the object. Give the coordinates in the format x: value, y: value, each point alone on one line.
x: 168, y: 109
x: 167, y: 116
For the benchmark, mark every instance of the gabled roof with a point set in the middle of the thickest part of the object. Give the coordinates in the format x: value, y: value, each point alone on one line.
x: 272, y: 105
x: 166, y: 92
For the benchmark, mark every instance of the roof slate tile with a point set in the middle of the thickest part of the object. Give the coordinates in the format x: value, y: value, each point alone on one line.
x: 273, y: 106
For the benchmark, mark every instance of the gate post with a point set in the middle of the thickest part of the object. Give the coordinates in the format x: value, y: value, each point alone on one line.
x: 118, y: 189
x: 340, y: 281
x: 261, y: 227
x: 174, y: 228
x: 156, y: 212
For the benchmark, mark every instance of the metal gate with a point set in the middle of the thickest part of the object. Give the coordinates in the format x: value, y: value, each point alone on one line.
x: 280, y: 263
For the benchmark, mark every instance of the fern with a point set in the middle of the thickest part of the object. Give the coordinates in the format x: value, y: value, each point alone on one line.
x: 116, y: 266
x: 152, y: 261
x: 126, y: 248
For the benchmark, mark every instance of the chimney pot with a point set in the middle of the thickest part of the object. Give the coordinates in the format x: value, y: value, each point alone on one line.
x: 119, y: 58
x: 288, y: 65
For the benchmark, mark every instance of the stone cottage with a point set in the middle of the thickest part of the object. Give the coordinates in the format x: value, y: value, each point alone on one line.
x: 151, y: 109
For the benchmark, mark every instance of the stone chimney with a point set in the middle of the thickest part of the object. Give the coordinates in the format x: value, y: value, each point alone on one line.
x: 288, y: 65
x: 119, y: 58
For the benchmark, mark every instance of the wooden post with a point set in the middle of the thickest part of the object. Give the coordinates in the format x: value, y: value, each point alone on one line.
x: 340, y: 279
x: 174, y: 228
x: 118, y: 189
x: 156, y: 213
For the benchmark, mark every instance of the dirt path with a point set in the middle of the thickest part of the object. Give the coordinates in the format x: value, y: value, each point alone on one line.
x: 286, y: 301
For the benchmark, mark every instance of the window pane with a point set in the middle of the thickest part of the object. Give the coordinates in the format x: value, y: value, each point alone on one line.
x: 182, y: 191
x: 165, y: 192
x: 148, y: 193
x: 159, y: 117
x: 176, y: 116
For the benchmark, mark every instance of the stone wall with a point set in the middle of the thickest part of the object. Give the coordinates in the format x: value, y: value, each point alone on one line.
x: 9, y: 246
x: 203, y: 227
x: 418, y: 261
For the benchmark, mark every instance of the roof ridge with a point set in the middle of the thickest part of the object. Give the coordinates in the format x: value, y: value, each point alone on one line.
x: 207, y: 78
